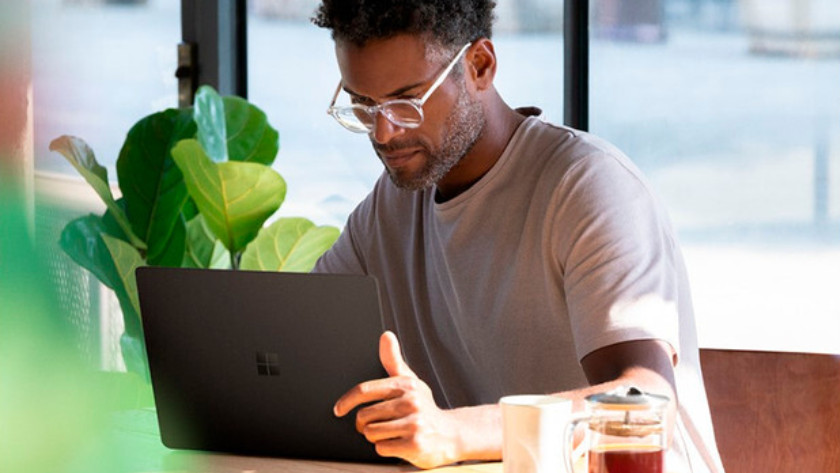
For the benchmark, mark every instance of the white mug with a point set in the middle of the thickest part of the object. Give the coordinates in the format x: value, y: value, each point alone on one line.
x: 532, y: 429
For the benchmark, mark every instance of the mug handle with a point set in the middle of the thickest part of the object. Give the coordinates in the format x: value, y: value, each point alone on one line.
x: 569, y: 439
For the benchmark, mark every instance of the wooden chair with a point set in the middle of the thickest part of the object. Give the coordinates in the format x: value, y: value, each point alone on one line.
x: 774, y: 412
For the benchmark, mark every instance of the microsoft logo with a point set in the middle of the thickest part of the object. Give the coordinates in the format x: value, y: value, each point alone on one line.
x: 267, y: 364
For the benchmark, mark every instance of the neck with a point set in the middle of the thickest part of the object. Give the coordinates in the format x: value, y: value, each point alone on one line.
x: 501, y: 122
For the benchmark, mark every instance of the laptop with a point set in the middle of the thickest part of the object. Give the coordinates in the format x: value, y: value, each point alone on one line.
x: 252, y: 362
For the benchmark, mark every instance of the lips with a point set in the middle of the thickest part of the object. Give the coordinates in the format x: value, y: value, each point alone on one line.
x: 399, y: 158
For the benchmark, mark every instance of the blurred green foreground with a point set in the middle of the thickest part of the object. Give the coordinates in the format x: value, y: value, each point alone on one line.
x: 57, y: 412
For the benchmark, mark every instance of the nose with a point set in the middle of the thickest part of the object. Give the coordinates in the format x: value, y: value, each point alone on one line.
x: 383, y: 130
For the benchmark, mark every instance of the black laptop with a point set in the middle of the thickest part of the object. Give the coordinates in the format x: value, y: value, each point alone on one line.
x: 252, y: 362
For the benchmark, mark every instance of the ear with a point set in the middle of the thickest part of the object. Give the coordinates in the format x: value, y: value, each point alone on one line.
x: 481, y: 63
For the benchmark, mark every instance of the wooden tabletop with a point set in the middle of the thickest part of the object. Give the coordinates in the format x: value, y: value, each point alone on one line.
x: 135, y: 439
x: 194, y: 462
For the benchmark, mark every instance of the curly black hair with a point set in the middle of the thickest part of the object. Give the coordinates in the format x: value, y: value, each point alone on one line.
x: 450, y: 23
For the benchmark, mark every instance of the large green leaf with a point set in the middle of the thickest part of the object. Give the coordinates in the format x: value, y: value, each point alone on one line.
x: 289, y: 244
x: 79, y: 154
x: 209, y: 115
x: 110, y: 224
x: 152, y: 185
x: 126, y: 260
x: 250, y: 137
x: 81, y: 240
x: 235, y: 198
x: 173, y: 252
x: 203, y: 249
x: 189, y: 210
x: 134, y: 354
x: 233, y: 129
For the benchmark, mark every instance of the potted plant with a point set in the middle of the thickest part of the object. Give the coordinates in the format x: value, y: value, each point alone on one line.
x: 197, y: 189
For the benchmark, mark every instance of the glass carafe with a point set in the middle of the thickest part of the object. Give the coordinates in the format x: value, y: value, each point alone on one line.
x: 626, y: 432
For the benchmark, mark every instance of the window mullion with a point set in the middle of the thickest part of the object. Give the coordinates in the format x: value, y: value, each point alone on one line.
x: 576, y: 64
x: 214, y: 48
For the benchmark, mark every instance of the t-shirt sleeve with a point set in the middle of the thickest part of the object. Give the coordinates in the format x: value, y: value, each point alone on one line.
x: 617, y: 255
x: 346, y: 256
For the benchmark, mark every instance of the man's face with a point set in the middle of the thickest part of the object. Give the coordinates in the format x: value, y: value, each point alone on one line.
x: 399, y: 68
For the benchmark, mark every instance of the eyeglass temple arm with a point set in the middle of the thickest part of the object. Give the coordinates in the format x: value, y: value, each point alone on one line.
x: 443, y: 75
x: 335, y: 97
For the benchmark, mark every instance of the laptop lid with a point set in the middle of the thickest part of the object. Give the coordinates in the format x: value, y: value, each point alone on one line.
x: 252, y: 362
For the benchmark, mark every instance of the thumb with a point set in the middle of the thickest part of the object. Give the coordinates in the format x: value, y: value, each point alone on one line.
x: 391, y: 356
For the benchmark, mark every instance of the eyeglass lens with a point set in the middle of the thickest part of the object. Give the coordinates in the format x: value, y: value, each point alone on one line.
x: 401, y: 113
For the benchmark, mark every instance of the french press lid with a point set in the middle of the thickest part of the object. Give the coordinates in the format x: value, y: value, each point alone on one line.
x: 634, y: 413
x: 624, y: 398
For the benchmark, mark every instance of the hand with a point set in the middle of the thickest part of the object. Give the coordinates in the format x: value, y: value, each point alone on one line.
x: 403, y: 420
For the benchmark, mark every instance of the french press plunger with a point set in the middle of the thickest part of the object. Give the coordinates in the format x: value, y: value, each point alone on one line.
x: 625, y: 432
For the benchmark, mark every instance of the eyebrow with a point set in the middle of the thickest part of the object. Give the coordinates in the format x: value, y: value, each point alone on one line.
x: 396, y: 93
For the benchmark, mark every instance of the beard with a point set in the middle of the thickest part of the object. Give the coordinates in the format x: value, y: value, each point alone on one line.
x: 462, y: 129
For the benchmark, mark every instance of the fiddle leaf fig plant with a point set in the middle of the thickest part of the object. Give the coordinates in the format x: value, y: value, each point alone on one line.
x: 235, y: 198
x: 197, y: 190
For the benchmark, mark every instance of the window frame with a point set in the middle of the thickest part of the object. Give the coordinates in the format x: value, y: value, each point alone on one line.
x: 214, y: 48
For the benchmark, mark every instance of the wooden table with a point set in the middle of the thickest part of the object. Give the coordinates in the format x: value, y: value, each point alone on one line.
x: 135, y: 439
x: 193, y: 462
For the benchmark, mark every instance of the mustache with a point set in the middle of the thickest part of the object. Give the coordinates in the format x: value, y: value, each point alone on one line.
x: 393, y: 146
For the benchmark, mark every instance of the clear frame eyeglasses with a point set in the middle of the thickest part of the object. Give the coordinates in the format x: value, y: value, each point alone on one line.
x: 405, y: 113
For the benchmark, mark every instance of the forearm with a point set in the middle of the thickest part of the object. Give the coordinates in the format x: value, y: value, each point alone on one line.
x: 480, y: 427
x: 642, y: 378
x: 404, y: 421
x: 479, y: 432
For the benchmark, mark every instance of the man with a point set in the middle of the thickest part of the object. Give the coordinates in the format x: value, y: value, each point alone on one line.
x: 513, y: 256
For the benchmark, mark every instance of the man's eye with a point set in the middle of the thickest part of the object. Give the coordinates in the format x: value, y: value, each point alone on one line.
x: 361, y: 101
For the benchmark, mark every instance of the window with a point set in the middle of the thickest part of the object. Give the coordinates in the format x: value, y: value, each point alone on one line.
x: 732, y: 110
x: 98, y: 67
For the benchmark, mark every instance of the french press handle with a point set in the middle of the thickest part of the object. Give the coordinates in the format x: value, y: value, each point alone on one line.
x: 569, y: 439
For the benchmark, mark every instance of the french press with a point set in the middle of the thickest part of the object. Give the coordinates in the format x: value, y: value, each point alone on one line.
x: 625, y: 432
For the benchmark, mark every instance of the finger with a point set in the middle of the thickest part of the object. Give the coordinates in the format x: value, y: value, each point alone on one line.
x: 402, y: 428
x: 385, y: 411
x: 395, y: 447
x: 391, y: 356
x: 369, y: 391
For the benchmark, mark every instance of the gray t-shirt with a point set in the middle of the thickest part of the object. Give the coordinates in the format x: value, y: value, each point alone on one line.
x: 559, y: 250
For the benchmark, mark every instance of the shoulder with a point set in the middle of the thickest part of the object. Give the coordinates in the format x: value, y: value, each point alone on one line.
x: 565, y: 156
x: 575, y: 145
